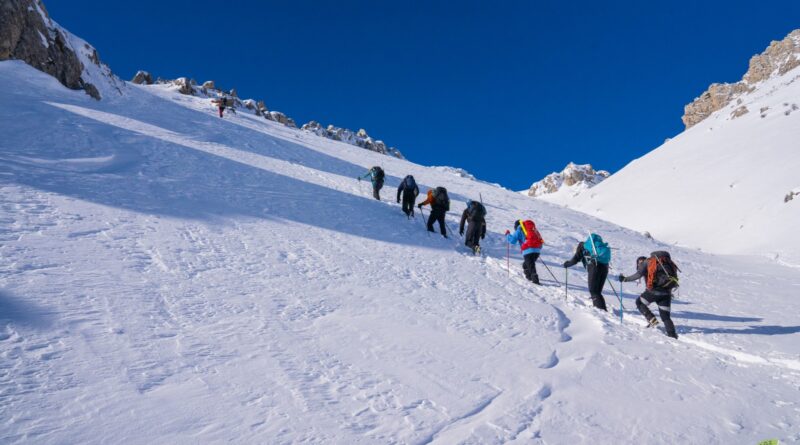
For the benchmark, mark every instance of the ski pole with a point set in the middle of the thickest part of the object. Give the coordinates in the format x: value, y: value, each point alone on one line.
x: 551, y: 272
x: 566, y: 283
x: 620, y: 302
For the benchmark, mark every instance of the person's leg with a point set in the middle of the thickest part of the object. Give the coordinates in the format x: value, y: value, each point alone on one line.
x: 529, y: 266
x: 431, y: 219
x: 664, y: 310
x: 641, y: 304
x: 597, y: 280
x: 441, y: 223
x: 472, y: 237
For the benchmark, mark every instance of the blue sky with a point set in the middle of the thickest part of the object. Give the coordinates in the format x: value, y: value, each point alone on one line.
x: 509, y: 91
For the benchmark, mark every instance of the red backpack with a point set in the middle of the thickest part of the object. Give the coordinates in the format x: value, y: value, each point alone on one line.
x: 533, y: 239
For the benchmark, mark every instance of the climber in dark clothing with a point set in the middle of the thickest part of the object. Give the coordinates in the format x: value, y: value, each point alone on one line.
x: 475, y: 213
x: 408, y: 188
x: 655, y: 293
x: 595, y: 255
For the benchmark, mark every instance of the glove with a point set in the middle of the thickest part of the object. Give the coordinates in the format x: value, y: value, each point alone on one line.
x: 359, y: 178
x: 621, y: 277
x: 419, y: 206
x: 566, y: 264
x: 483, y: 235
x: 398, y: 201
x: 461, y: 232
x: 508, y: 232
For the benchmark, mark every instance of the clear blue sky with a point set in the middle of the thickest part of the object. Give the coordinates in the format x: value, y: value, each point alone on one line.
x: 509, y: 91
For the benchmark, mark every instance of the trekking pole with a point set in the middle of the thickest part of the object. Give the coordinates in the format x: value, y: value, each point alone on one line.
x: 422, y: 212
x: 566, y: 283
x: 620, y: 302
x: 508, y: 258
x: 619, y: 297
x: 551, y: 272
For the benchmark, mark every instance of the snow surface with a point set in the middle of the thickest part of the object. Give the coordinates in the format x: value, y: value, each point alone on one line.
x: 168, y: 276
x: 721, y: 184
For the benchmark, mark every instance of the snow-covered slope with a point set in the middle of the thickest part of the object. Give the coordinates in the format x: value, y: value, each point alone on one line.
x: 720, y: 185
x: 168, y: 276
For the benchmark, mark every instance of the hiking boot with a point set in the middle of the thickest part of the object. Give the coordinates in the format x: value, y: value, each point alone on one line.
x: 651, y: 323
x: 672, y: 335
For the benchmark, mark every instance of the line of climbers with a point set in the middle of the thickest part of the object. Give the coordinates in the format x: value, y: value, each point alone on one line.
x: 658, y: 270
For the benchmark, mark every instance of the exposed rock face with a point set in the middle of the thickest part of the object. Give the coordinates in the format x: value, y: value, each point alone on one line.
x: 779, y: 58
x: 184, y: 85
x: 27, y: 33
x: 360, y: 138
x: 209, y: 85
x: 142, y: 78
x: 577, y: 177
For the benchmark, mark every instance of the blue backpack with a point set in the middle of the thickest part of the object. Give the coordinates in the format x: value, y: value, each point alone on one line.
x: 598, y: 250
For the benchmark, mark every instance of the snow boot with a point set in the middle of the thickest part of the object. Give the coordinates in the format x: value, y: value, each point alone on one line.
x: 653, y: 322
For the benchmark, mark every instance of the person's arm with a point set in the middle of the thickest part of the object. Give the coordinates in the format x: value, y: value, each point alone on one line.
x: 464, y: 215
x: 483, y: 230
x: 512, y: 238
x: 399, y: 190
x: 639, y: 273
x: 575, y: 258
x: 427, y: 201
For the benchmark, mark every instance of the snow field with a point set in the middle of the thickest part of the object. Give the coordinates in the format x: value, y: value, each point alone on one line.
x: 169, y: 276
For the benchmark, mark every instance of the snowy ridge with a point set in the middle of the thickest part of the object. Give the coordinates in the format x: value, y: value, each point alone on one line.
x: 170, y: 276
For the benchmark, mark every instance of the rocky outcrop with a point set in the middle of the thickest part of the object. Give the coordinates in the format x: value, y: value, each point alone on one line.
x: 27, y: 33
x: 142, y: 78
x: 359, y: 138
x: 778, y: 59
x: 209, y: 85
x: 574, y: 176
x: 184, y: 85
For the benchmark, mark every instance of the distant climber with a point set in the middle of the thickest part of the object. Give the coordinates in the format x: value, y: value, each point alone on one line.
x: 530, y: 241
x: 376, y: 175
x: 440, y: 204
x: 595, y: 256
x: 475, y: 213
x: 408, y: 188
x: 661, y: 275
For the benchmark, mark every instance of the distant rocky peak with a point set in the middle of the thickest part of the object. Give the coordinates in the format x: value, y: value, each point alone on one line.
x: 778, y: 59
x: 575, y: 177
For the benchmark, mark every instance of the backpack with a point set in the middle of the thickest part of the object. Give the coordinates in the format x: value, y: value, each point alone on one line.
x: 377, y: 173
x: 662, y: 272
x: 597, y: 249
x: 477, y: 211
x: 532, y: 236
x: 440, y: 198
x: 409, y: 183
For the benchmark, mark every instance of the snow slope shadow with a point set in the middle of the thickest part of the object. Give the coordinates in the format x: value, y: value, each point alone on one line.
x: 714, y: 317
x: 161, y: 172
x: 19, y: 312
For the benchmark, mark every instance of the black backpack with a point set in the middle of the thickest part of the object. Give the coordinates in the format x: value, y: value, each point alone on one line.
x: 409, y: 183
x: 477, y: 211
x: 662, y: 272
x: 440, y: 198
x: 378, y: 173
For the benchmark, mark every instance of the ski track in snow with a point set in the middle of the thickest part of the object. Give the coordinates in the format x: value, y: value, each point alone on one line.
x: 170, y: 276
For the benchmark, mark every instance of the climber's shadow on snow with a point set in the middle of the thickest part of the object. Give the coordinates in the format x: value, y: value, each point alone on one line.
x: 18, y: 312
x: 752, y: 329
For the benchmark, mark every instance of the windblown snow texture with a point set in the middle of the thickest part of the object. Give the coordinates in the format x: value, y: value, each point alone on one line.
x: 168, y: 276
